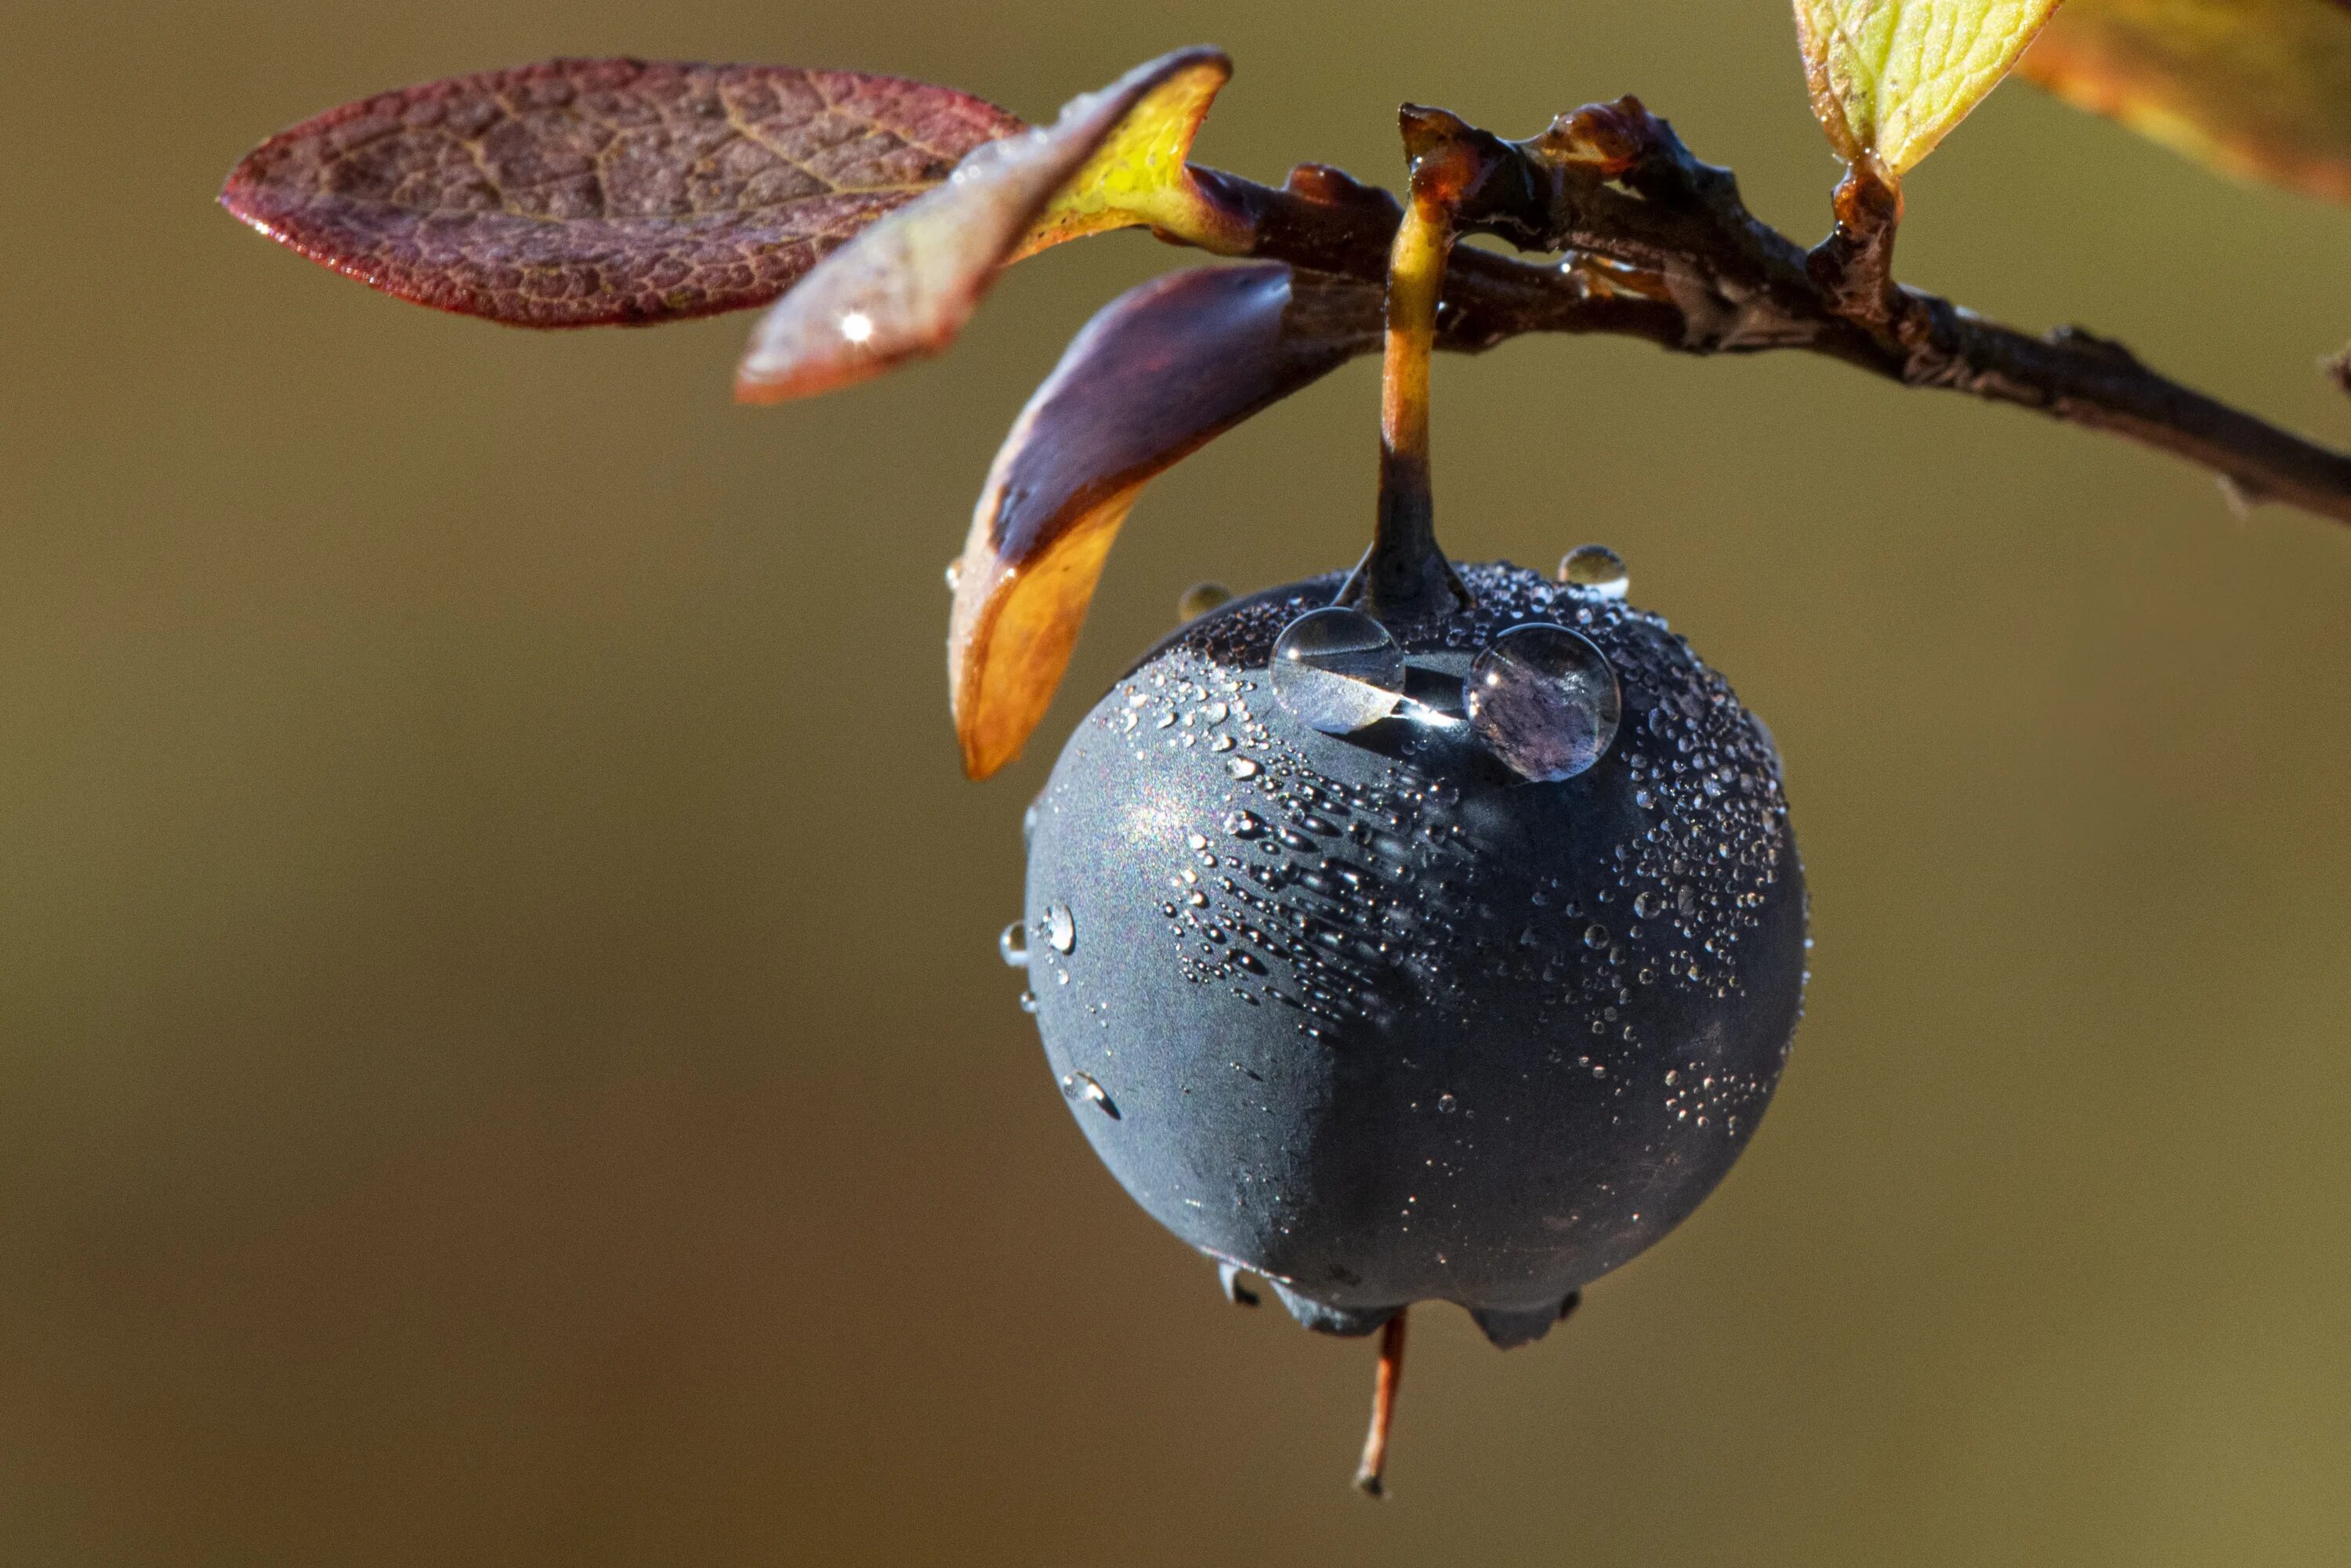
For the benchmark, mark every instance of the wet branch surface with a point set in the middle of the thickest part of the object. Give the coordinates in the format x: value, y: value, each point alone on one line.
x: 1658, y: 245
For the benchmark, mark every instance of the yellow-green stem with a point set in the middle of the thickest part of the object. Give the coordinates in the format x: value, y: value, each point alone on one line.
x: 1405, y: 575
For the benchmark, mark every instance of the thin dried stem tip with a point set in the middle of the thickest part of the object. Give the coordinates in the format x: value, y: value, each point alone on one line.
x: 1369, y: 1476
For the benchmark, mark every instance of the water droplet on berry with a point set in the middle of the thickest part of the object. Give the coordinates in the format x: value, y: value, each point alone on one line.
x: 1012, y: 945
x: 1543, y: 699
x: 1337, y: 670
x: 1061, y: 927
x: 1201, y: 598
x: 1597, y: 568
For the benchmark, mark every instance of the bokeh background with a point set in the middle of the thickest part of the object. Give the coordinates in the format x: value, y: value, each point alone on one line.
x: 502, y: 1053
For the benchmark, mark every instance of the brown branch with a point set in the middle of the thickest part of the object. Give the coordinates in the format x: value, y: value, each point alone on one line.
x: 1658, y: 245
x: 1855, y: 266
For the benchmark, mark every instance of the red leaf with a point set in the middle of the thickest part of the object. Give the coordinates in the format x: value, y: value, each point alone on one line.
x: 584, y: 193
x: 1162, y: 370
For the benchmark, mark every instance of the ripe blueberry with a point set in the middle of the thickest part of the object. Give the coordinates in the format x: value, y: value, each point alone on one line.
x: 1377, y: 1017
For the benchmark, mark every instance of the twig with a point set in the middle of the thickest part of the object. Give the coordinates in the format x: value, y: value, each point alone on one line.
x: 1658, y: 245
x: 1855, y: 266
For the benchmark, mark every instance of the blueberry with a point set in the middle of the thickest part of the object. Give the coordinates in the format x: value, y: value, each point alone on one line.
x: 1378, y: 1016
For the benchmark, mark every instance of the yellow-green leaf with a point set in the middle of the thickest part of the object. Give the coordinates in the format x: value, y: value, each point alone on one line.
x: 1139, y: 175
x: 1890, y: 78
x: 2258, y: 88
x: 906, y: 285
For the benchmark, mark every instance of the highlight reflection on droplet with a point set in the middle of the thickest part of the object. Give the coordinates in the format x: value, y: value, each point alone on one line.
x: 1544, y: 701
x: 1337, y: 670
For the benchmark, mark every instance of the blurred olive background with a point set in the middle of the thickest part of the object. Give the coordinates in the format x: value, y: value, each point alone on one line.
x: 503, y: 1058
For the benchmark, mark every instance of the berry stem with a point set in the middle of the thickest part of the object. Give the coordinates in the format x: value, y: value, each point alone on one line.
x: 1404, y: 576
x: 1370, y: 1475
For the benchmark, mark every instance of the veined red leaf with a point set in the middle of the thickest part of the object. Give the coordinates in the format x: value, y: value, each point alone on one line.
x: 1164, y: 368
x: 582, y: 193
x: 909, y: 283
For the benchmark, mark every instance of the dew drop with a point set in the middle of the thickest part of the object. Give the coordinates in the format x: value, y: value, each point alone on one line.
x: 1081, y: 1086
x: 1242, y: 768
x: 1012, y: 945
x: 1544, y: 701
x: 1646, y: 903
x: 1596, y: 936
x: 1445, y: 1102
x: 1028, y: 1001
x: 1597, y: 568
x: 1201, y: 598
x: 1244, y: 825
x: 1337, y: 670
x: 955, y: 574
x: 1061, y: 927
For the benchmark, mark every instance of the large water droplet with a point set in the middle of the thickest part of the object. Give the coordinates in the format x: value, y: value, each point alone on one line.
x: 1012, y: 945
x: 1061, y: 927
x: 1337, y: 670
x: 1543, y: 699
x: 1597, y: 568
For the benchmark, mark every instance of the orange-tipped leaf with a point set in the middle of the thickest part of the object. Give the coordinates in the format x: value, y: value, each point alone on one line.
x: 2260, y: 89
x: 1163, y: 369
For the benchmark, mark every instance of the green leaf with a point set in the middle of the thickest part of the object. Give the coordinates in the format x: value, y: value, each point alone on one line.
x: 2257, y: 89
x: 1889, y: 79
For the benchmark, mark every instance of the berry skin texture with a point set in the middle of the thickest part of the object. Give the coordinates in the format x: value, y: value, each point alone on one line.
x: 1375, y: 1017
